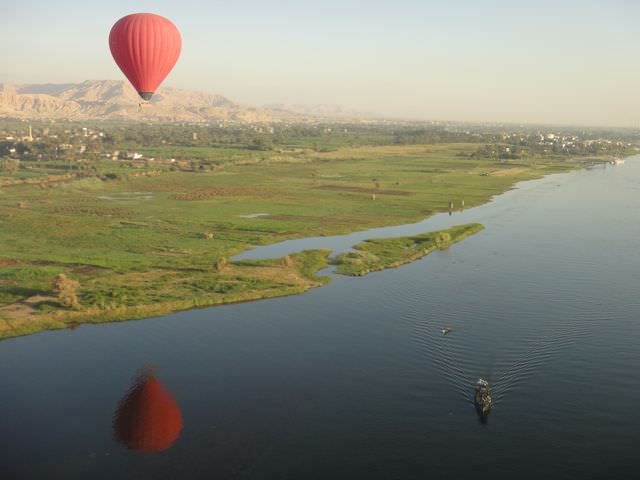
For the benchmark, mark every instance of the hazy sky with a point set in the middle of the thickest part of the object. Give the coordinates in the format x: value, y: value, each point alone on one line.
x: 560, y: 61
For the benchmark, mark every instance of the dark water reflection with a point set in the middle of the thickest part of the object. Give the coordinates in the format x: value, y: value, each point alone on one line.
x: 148, y: 418
x: 355, y: 380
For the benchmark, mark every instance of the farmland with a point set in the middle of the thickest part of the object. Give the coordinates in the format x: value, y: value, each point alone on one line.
x: 146, y: 238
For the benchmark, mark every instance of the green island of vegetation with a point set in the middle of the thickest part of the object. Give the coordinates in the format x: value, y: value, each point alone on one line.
x: 382, y: 253
x: 107, y: 222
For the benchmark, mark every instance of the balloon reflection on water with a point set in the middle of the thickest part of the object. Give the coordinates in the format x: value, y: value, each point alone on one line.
x: 148, y: 418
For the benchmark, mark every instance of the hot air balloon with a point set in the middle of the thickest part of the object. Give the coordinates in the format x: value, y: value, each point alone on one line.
x: 146, y: 47
x: 148, y: 418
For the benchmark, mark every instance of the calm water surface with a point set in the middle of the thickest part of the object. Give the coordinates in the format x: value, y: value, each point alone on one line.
x: 354, y: 380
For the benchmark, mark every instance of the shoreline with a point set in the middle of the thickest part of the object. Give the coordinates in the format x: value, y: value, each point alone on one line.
x: 377, y: 254
x: 60, y: 319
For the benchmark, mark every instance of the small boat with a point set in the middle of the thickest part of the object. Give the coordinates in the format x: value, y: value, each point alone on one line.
x: 445, y: 330
x: 482, y: 398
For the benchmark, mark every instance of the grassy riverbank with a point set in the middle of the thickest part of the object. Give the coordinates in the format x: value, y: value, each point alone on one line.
x: 382, y: 253
x: 143, y: 244
x: 156, y: 292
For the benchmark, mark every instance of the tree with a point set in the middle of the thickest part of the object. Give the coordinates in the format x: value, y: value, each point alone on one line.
x: 9, y: 165
x: 5, y: 148
x: 21, y: 149
x: 66, y: 288
x: 261, y: 143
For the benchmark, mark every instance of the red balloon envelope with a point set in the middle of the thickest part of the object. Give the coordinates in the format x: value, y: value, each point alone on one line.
x: 146, y: 47
x: 148, y: 418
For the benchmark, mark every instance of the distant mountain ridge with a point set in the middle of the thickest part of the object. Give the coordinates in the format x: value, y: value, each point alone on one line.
x: 117, y: 100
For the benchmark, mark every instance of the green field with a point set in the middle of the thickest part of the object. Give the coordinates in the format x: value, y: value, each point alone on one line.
x: 145, y: 241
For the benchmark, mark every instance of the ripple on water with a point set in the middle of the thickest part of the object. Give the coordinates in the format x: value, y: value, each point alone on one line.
x: 507, y: 356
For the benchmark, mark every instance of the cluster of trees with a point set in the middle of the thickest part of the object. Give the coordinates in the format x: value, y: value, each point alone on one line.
x: 8, y: 148
x: 436, y: 135
x: 71, y: 141
x: 497, y: 152
x: 9, y: 165
x: 516, y: 149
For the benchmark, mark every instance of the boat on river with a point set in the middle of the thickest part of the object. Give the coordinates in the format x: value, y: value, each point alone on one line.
x: 482, y: 398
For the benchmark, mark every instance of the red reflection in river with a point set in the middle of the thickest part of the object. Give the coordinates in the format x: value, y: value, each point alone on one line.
x: 148, y: 418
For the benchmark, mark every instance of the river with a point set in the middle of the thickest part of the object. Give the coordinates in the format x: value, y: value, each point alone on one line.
x: 354, y: 379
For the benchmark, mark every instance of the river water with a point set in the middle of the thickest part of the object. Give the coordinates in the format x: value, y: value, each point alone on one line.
x: 354, y: 380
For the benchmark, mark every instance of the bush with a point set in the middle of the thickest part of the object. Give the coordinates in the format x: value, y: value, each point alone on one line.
x: 442, y: 239
x: 287, y: 261
x: 65, y: 288
x: 221, y: 264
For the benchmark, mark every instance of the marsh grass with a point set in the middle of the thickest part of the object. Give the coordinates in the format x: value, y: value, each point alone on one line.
x: 147, y: 255
x: 382, y: 253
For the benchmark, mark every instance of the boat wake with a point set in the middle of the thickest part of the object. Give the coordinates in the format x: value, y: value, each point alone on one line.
x: 506, y: 359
